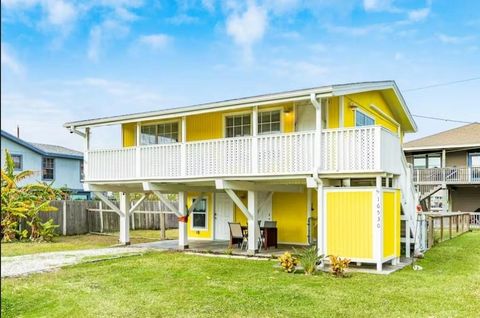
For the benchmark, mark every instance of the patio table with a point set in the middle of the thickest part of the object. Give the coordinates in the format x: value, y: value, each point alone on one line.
x: 269, y: 233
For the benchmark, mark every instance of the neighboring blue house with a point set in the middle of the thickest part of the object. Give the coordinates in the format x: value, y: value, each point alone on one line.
x: 56, y: 165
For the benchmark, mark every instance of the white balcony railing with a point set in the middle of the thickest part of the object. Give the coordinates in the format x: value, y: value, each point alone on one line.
x: 449, y: 175
x: 342, y: 150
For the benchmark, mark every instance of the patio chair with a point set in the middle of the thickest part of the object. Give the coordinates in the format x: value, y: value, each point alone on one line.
x: 236, y: 235
x: 270, y: 224
x: 261, y: 239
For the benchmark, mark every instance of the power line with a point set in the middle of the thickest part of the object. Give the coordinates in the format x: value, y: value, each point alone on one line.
x: 422, y: 116
x: 442, y: 84
x: 445, y: 119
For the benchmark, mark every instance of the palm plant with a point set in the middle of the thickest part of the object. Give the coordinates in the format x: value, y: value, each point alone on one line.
x: 24, y: 203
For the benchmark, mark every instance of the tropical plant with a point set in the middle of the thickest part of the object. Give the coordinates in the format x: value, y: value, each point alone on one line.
x: 24, y: 203
x: 338, y: 265
x: 309, y: 259
x: 288, y: 262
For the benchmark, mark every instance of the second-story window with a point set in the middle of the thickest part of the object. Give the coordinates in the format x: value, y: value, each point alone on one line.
x: 238, y: 125
x: 17, y: 162
x: 431, y: 160
x: 159, y: 134
x: 269, y: 122
x: 48, y: 168
x: 82, y: 171
x: 362, y: 119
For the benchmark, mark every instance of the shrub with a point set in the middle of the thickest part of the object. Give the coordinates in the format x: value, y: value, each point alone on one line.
x: 229, y: 251
x: 288, y: 262
x: 338, y: 265
x: 24, y: 204
x: 309, y: 259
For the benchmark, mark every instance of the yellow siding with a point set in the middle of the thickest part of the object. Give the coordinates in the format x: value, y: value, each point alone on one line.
x: 289, y: 210
x: 391, y: 223
x: 363, y: 102
x: 204, y: 234
x: 332, y: 113
x: 205, y: 126
x: 128, y: 134
x: 349, y: 224
x: 239, y: 217
x: 398, y: 204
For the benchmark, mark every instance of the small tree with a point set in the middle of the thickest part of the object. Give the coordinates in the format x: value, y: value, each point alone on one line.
x: 24, y: 203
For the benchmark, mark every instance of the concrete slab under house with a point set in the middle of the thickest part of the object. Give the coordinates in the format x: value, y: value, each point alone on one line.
x: 325, y: 164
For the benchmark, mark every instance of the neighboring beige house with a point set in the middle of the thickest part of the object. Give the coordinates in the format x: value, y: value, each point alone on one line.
x: 447, y: 168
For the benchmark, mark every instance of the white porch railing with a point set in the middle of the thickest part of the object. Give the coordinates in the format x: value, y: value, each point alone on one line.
x: 343, y: 150
x: 447, y: 175
x: 475, y: 220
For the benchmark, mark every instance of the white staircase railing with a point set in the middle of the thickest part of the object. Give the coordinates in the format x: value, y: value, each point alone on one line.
x: 410, y: 200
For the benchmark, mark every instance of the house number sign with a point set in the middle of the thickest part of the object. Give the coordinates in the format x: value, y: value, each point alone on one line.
x: 377, y: 207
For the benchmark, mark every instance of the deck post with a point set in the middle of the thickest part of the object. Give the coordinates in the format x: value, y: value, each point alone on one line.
x: 253, y: 223
x: 182, y: 222
x: 255, y: 139
x: 124, y: 218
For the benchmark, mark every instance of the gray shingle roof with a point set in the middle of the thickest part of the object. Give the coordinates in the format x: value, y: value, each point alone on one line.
x: 468, y: 135
x: 59, y: 150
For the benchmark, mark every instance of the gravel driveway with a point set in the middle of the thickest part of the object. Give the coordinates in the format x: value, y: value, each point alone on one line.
x: 42, y: 262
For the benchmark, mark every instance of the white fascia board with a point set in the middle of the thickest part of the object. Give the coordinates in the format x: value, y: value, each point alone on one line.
x: 440, y: 147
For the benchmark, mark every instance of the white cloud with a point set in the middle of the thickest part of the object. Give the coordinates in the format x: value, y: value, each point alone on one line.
x: 247, y: 28
x: 449, y: 39
x: 183, y: 19
x: 60, y: 12
x: 102, y: 33
x: 155, y: 41
x: 419, y: 14
x: 378, y: 5
x: 301, y: 69
x: 209, y: 5
x: 9, y: 60
x: 399, y: 56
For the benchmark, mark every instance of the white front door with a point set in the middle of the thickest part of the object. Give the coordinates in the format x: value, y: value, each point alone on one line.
x: 265, y: 211
x: 223, y: 215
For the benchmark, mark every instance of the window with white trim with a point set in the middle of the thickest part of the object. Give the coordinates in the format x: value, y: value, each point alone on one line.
x: 48, y: 168
x: 269, y: 122
x: 17, y: 162
x: 165, y: 133
x: 362, y: 119
x: 238, y: 125
x: 199, y: 215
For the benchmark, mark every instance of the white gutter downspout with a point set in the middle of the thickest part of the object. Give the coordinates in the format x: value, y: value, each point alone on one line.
x: 318, y: 148
x: 318, y: 132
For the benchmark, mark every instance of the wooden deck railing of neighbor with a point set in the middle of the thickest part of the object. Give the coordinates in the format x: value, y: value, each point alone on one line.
x: 452, y: 175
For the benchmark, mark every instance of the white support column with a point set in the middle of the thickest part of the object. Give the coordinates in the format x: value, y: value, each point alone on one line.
x: 138, y: 166
x: 321, y: 224
x: 85, y: 153
x: 253, y: 222
x: 183, y: 149
x: 124, y: 218
x: 182, y: 222
x: 255, y: 140
x: 378, y: 223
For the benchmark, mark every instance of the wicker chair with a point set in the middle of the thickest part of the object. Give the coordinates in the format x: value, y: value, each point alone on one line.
x: 237, y: 236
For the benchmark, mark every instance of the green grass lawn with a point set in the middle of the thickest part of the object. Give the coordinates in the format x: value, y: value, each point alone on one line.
x: 174, y: 284
x: 80, y: 242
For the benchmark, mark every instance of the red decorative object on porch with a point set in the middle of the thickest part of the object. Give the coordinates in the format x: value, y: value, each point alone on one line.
x: 183, y: 218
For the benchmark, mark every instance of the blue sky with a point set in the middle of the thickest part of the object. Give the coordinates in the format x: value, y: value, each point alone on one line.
x: 69, y: 60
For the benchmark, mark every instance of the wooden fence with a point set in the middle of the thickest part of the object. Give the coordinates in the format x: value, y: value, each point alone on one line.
x: 443, y: 226
x: 80, y: 217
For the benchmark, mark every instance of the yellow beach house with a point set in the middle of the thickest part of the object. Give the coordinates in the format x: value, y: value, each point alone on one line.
x: 325, y: 163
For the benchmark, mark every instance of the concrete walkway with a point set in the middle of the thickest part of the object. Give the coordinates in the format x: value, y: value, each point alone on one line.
x: 43, y: 262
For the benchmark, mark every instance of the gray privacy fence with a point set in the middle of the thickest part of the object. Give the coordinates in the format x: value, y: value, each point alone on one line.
x: 80, y: 217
